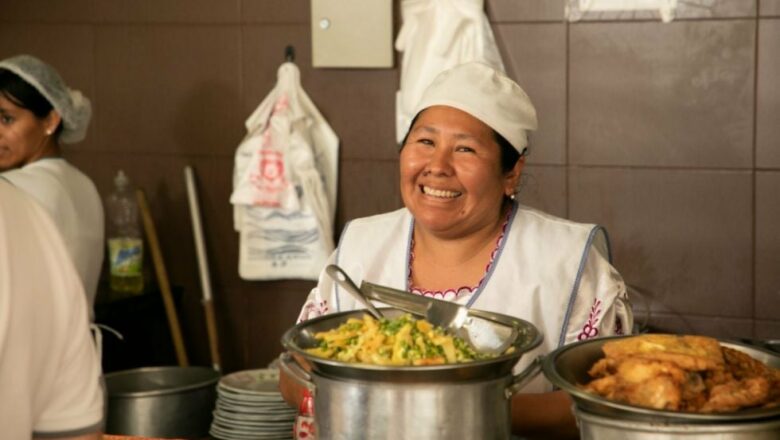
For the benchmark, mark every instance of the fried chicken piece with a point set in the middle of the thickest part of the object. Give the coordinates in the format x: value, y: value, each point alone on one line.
x: 658, y: 392
x: 693, y: 353
x: 605, y: 387
x: 734, y: 395
x: 603, y: 367
x: 694, y: 392
x: 651, y: 384
x: 743, y: 366
x: 683, y: 373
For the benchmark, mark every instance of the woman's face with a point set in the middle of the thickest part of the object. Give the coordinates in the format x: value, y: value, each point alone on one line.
x: 451, y: 178
x: 23, y: 137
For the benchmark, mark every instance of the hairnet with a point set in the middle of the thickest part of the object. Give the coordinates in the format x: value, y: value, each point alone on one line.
x: 486, y: 94
x: 73, y: 107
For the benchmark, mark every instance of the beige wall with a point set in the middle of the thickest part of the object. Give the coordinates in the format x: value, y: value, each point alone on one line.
x: 668, y: 134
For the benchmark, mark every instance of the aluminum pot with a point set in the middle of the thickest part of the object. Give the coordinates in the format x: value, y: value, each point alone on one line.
x: 594, y: 427
x: 599, y: 418
x: 468, y: 400
x: 168, y: 402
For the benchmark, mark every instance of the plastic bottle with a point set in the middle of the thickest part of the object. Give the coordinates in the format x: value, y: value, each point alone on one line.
x: 125, y: 245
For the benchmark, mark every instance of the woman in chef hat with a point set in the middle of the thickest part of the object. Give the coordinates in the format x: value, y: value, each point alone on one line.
x: 463, y: 237
x: 38, y: 113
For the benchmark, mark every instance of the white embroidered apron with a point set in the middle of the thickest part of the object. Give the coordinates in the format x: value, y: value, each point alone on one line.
x: 552, y: 272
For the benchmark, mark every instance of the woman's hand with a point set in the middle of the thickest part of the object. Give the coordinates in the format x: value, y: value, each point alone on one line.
x: 544, y: 416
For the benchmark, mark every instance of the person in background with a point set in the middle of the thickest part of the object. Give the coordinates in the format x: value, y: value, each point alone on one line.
x: 38, y: 113
x: 463, y: 237
x: 50, y: 378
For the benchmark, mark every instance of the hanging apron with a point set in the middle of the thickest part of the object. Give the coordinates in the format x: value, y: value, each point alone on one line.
x: 284, y: 185
x: 437, y: 35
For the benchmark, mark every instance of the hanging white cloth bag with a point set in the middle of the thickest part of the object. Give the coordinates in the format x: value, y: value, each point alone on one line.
x: 284, y: 185
x: 435, y: 36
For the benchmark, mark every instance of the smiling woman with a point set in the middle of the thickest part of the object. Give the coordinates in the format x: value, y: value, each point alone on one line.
x: 38, y: 112
x: 462, y: 237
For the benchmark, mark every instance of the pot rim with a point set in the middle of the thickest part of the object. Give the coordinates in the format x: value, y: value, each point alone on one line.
x: 528, y: 338
x: 597, y: 405
x: 150, y: 393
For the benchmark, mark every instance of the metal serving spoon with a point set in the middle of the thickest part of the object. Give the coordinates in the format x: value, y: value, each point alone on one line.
x: 346, y: 282
x: 484, y: 334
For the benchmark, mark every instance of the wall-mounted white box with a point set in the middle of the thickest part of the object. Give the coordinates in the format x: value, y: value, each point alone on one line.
x: 352, y: 33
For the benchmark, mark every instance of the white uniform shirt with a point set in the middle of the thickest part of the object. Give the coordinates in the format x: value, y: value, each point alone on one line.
x: 70, y: 198
x: 549, y: 271
x: 49, y: 371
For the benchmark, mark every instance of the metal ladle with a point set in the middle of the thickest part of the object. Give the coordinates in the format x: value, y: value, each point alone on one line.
x: 346, y: 282
x: 484, y: 335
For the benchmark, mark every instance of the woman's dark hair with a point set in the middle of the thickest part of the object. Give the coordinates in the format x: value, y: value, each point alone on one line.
x: 21, y: 93
x: 509, y: 155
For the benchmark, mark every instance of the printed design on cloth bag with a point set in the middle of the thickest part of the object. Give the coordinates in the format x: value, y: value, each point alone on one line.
x: 280, y: 243
x: 589, y: 330
x: 269, y: 177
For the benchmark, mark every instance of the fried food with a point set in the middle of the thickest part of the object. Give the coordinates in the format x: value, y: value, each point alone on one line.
x: 696, y: 353
x: 682, y: 373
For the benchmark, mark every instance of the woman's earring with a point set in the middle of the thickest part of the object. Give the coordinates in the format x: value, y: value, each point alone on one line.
x: 49, y: 132
x: 512, y: 196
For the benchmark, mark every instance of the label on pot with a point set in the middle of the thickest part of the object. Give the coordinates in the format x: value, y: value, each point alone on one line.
x: 304, y: 424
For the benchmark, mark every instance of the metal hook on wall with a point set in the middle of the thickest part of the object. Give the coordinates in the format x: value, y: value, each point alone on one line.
x: 289, y: 54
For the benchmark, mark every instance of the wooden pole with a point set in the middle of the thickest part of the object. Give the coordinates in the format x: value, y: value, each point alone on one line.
x: 162, y: 278
x: 203, y: 265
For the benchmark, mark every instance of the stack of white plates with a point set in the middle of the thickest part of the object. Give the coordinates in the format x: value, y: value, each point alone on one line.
x: 249, y: 407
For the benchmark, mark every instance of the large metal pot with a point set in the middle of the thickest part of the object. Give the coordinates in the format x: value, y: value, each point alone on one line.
x: 469, y: 400
x: 168, y: 402
x: 599, y: 418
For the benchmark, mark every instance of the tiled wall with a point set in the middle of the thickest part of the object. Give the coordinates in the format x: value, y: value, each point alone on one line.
x: 668, y: 134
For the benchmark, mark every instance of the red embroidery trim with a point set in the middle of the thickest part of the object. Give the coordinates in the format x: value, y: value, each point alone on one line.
x: 454, y: 294
x: 589, y: 330
x: 313, y: 309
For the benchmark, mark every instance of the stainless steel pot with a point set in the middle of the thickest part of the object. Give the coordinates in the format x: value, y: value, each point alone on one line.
x: 168, y: 402
x: 469, y: 400
x: 599, y: 418
x: 595, y: 427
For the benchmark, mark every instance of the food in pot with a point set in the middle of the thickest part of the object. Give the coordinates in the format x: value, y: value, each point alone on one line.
x: 683, y: 373
x: 400, y: 341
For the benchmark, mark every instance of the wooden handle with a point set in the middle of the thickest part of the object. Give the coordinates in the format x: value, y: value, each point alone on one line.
x: 211, y: 327
x: 203, y: 264
x: 162, y: 278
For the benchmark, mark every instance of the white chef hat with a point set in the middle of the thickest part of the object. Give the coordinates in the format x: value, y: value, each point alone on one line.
x: 74, y: 108
x: 486, y: 94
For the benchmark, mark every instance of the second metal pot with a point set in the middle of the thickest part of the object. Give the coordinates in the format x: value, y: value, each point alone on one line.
x: 168, y: 402
x: 596, y: 427
x: 602, y: 419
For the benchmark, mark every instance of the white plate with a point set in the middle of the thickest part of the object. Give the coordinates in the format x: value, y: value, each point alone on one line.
x: 221, y: 435
x: 256, y: 416
x: 259, y: 382
x: 255, y: 407
x: 250, y: 395
x: 253, y: 425
x: 238, y: 434
x: 252, y: 403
